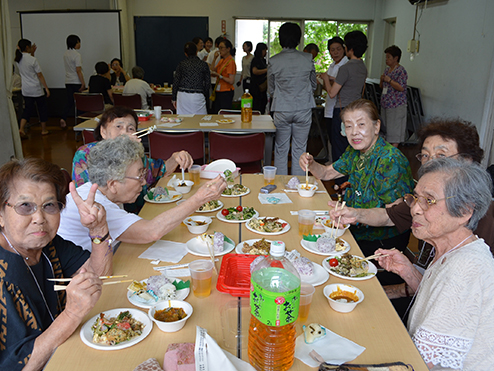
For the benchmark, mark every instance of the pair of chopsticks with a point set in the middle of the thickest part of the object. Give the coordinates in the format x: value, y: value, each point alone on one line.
x: 335, y: 230
x: 146, y: 131
x: 374, y: 257
x: 307, y: 175
x: 211, y: 254
x: 63, y: 287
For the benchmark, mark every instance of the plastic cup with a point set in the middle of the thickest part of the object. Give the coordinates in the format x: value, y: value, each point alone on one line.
x: 165, y: 84
x: 306, y: 293
x: 157, y: 112
x: 195, y: 174
x: 201, y: 274
x: 269, y: 174
x: 306, y: 219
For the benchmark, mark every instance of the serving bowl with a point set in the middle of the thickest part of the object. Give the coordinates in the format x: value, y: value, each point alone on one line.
x: 197, y: 229
x: 327, y: 225
x: 306, y: 192
x: 171, y: 326
x: 341, y: 305
x: 183, y: 189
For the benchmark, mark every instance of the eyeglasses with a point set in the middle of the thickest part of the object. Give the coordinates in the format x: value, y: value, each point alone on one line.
x: 424, y: 157
x: 424, y: 202
x: 141, y: 177
x: 29, y: 208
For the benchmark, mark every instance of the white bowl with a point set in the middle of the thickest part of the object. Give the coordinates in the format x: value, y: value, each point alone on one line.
x: 183, y: 189
x: 171, y: 326
x: 341, y: 306
x: 330, y: 230
x: 197, y: 229
x: 304, y: 192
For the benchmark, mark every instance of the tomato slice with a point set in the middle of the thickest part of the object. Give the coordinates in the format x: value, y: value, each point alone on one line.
x: 225, y: 212
x: 239, y: 208
x: 333, y: 262
x: 283, y: 225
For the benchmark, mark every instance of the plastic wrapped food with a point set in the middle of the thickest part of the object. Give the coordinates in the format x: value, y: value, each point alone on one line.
x: 218, y: 242
x: 326, y: 244
x: 155, y: 282
x: 167, y: 292
x: 304, y: 266
x: 293, y: 183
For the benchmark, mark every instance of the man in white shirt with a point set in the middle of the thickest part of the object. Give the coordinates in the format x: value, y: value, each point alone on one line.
x: 137, y: 85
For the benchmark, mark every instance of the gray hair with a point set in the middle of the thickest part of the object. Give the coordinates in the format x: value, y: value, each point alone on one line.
x: 468, y: 185
x: 138, y: 73
x: 109, y: 159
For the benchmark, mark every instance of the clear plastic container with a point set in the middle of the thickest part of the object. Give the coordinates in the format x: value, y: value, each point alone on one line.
x: 246, y: 104
x: 274, y: 304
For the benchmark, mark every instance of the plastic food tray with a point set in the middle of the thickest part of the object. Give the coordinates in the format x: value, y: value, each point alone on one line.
x: 234, y: 276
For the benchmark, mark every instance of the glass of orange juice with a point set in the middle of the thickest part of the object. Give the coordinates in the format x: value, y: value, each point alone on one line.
x: 201, y: 274
x: 269, y: 174
x: 306, y: 293
x: 195, y: 174
x: 306, y: 219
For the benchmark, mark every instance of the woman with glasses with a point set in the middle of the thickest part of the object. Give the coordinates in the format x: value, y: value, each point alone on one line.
x: 452, y: 318
x: 123, y: 121
x: 36, y: 319
x: 116, y: 166
x: 379, y: 174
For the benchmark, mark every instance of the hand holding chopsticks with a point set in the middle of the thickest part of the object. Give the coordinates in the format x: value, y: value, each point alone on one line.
x: 374, y: 257
x: 146, y: 131
x: 63, y: 287
x: 334, y: 231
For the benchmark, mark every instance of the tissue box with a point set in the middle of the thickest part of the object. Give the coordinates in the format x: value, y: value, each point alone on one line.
x: 213, y: 174
x: 180, y: 357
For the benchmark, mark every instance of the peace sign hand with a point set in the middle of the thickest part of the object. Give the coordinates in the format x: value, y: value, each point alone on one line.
x: 93, y: 215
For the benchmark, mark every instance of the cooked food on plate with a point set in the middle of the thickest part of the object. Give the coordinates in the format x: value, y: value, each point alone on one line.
x: 269, y: 225
x: 170, y: 314
x: 260, y: 247
x: 349, y: 265
x: 344, y: 296
x: 216, y: 240
x: 161, y: 194
x: 211, y: 205
x: 114, y: 330
x: 235, y: 190
x: 302, y: 264
x: 328, y: 244
x: 157, y: 288
x: 191, y: 221
x: 238, y: 213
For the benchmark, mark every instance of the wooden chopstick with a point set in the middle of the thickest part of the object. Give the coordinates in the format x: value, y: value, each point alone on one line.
x: 63, y: 287
x: 374, y: 256
x: 333, y: 231
x: 339, y: 218
x: 69, y: 279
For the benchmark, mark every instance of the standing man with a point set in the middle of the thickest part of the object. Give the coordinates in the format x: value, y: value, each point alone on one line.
x: 291, y: 84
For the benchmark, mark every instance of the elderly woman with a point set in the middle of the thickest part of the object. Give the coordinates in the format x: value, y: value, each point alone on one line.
x: 452, y: 318
x: 115, y: 165
x: 191, y: 83
x: 378, y: 173
x: 35, y: 318
x: 118, y: 121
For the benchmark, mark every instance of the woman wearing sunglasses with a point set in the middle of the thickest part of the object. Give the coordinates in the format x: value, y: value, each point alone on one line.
x: 35, y: 319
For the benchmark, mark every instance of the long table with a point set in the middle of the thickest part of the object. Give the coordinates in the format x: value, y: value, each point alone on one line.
x: 373, y: 324
x: 260, y: 124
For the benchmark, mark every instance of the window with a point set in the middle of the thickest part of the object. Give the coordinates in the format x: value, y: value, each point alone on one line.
x: 313, y: 31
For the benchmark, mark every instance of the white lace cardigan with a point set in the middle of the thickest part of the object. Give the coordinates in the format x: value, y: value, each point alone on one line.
x: 452, y: 319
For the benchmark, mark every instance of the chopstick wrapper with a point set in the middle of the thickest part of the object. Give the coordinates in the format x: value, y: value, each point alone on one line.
x: 334, y: 348
x: 208, y: 124
x: 210, y: 357
x: 167, y: 251
x: 274, y: 198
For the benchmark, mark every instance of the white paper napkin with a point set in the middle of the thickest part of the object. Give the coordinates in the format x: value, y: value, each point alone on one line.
x: 334, y: 348
x: 166, y: 251
x: 208, y: 124
x: 184, y: 115
x: 167, y: 125
x: 210, y: 357
x: 274, y: 198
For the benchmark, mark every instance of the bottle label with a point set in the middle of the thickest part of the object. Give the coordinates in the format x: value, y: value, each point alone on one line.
x: 246, y: 103
x: 274, y: 308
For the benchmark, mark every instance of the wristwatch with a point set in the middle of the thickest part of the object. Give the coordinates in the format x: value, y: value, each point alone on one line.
x: 98, y: 239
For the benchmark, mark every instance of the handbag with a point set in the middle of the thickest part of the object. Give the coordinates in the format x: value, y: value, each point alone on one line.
x: 212, y: 97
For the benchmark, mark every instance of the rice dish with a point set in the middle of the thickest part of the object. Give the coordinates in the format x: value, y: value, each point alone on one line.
x: 218, y: 242
x: 304, y: 266
x: 326, y: 244
x: 293, y: 183
x: 155, y: 282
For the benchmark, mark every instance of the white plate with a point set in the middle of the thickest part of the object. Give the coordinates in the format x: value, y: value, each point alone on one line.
x: 372, y: 269
x: 221, y: 166
x: 239, y: 247
x: 221, y: 217
x: 199, y: 248
x: 312, y: 247
x: 210, y: 211
x: 134, y: 299
x: 170, y: 193
x: 225, y: 121
x: 318, y: 278
x: 240, y: 195
x: 284, y: 230
x: 87, y: 334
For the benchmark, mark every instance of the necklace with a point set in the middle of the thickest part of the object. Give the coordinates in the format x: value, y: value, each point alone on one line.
x: 33, y: 275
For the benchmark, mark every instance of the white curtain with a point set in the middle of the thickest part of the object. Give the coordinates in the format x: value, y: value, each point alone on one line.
x: 11, y: 141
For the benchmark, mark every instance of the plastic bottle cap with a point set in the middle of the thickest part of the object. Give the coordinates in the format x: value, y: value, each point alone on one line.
x: 246, y: 91
x: 277, y: 248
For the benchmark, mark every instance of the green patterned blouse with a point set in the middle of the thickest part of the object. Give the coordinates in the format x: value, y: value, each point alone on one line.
x: 378, y: 177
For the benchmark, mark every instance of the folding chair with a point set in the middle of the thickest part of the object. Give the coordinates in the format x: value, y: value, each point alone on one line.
x: 165, y: 101
x: 132, y: 101
x: 164, y: 144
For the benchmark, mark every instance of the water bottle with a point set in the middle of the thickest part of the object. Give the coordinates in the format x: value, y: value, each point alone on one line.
x: 246, y: 104
x: 274, y: 302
